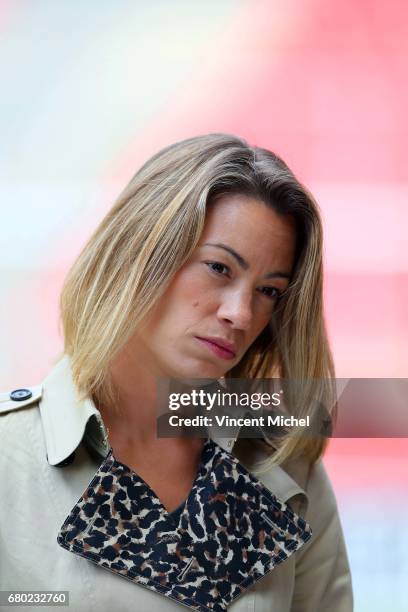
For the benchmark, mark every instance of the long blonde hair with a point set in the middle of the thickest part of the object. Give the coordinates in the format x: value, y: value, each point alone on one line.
x: 151, y: 231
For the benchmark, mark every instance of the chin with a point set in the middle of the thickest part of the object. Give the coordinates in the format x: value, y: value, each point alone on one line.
x: 200, y: 370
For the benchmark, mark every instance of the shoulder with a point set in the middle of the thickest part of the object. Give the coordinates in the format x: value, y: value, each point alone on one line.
x: 313, y: 478
x: 323, y: 578
x: 16, y: 399
x: 321, y: 510
x: 319, y: 487
x: 327, y: 545
x: 17, y: 406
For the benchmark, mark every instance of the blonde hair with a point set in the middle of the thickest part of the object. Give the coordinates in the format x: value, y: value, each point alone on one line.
x: 150, y: 232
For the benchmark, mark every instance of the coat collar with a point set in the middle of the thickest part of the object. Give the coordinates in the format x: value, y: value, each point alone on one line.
x: 65, y: 418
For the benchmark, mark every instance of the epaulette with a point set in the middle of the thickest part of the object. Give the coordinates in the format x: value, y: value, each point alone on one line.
x: 19, y: 398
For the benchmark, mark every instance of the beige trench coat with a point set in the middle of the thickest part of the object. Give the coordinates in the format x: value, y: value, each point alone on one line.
x: 43, y: 430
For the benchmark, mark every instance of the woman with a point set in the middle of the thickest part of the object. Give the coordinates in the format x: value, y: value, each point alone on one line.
x: 209, y: 265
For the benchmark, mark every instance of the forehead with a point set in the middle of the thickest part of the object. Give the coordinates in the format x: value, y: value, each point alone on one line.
x: 251, y: 227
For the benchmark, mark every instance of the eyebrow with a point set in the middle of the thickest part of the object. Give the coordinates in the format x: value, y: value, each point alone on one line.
x: 242, y: 262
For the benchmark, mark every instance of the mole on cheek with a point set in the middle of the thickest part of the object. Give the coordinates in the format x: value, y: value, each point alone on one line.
x: 195, y: 304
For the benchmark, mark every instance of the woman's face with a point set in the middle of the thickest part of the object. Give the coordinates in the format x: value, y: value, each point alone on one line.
x: 223, y: 296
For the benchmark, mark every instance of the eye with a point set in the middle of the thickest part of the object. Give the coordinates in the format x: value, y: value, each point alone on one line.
x: 217, y: 267
x: 271, y: 292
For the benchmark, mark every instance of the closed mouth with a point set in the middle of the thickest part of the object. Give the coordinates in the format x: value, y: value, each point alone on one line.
x: 221, y: 344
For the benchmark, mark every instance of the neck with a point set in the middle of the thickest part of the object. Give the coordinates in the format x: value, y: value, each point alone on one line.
x: 134, y: 418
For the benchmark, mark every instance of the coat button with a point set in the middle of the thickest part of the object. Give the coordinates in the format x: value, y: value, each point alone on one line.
x: 19, y: 395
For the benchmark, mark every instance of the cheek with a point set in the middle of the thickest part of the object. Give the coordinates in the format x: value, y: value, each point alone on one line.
x: 190, y: 290
x: 185, y: 287
x: 186, y: 301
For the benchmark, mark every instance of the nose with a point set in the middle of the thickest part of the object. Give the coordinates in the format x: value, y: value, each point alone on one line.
x: 236, y: 309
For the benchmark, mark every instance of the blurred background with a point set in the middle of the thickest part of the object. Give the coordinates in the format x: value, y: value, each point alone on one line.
x: 90, y: 89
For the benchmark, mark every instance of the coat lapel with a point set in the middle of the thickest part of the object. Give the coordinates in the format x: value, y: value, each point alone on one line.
x: 231, y: 532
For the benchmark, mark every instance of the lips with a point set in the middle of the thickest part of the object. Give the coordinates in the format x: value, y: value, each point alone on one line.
x: 222, y: 347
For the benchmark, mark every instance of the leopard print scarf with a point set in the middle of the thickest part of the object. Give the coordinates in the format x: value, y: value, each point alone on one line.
x: 230, y: 533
